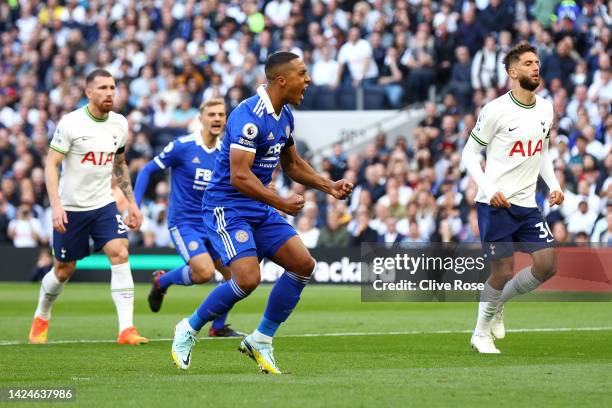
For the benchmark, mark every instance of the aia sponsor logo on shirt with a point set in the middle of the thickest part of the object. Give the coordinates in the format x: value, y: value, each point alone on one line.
x: 526, y: 148
x: 98, y: 158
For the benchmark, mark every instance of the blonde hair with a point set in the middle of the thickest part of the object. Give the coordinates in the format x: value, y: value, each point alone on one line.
x: 211, y: 102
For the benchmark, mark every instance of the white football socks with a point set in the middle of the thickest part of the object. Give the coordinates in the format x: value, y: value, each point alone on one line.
x: 122, y: 290
x: 523, y: 282
x: 261, y: 338
x: 489, y: 300
x: 50, y: 288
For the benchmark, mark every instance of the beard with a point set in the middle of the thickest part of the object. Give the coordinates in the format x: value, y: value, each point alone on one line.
x: 528, y: 84
x: 104, y: 108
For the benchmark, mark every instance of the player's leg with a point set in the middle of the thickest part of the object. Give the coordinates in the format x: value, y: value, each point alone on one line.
x: 219, y: 327
x: 232, y: 237
x: 122, y: 290
x: 286, y: 249
x: 51, y: 286
x: 497, y: 243
x: 109, y: 233
x: 67, y: 249
x: 536, y: 238
x: 188, y: 242
x: 245, y: 278
x: 199, y: 268
x: 299, y: 265
x: 488, y: 307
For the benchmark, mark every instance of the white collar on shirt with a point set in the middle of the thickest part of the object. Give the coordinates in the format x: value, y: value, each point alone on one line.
x: 200, y: 142
x: 261, y: 91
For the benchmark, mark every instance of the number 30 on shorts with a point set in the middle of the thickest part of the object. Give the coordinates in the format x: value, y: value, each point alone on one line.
x: 121, y: 227
x: 544, y: 231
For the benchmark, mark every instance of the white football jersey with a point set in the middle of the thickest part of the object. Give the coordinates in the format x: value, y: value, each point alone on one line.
x: 90, y: 145
x: 514, y: 135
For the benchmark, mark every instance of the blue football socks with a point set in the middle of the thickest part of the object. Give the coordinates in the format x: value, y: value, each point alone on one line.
x: 219, y: 322
x: 178, y: 276
x: 218, y: 303
x: 283, y: 298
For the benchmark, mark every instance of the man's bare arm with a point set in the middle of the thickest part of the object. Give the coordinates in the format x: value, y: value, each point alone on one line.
x: 122, y: 175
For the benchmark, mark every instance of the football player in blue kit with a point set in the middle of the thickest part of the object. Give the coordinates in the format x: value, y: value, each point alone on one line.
x: 192, y: 159
x: 241, y: 214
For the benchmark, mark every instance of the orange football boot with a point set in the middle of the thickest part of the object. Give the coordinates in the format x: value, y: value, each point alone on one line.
x: 38, y: 331
x: 131, y: 336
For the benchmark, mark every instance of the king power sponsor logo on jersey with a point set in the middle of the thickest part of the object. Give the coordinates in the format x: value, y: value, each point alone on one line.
x: 526, y: 148
x: 98, y: 158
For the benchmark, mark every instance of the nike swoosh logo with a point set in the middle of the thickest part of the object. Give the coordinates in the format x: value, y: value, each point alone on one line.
x: 550, y: 240
x: 511, y: 129
x: 186, y: 362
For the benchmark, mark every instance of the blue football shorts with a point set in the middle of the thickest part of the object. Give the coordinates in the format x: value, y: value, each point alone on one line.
x: 190, y: 239
x: 102, y: 225
x: 504, y: 230
x: 238, y: 232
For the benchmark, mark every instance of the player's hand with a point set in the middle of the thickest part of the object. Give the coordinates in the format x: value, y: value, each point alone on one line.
x: 135, y: 217
x: 59, y: 218
x: 555, y: 197
x: 292, y: 205
x: 341, y: 189
x: 499, y: 200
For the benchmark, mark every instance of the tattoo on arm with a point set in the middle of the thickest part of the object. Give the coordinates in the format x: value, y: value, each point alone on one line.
x: 121, y: 173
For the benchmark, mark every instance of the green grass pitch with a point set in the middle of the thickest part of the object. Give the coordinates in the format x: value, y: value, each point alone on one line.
x: 335, y: 351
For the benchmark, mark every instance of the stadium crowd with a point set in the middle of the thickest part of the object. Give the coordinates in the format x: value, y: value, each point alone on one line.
x: 167, y: 57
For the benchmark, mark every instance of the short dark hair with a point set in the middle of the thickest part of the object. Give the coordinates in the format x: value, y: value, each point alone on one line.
x: 276, y: 61
x: 98, y: 72
x: 515, y: 53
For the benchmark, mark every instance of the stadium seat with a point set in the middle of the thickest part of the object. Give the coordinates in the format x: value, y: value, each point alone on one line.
x: 310, y: 99
x: 325, y: 99
x: 347, y: 99
x: 374, y: 98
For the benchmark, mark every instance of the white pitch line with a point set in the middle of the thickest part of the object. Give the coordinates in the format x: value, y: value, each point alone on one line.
x: 392, y: 333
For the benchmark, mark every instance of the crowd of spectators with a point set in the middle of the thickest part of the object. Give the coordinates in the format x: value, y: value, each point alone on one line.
x: 169, y: 56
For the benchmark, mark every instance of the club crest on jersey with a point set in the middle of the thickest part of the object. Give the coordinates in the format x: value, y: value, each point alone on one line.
x: 193, y: 245
x: 525, y: 149
x: 241, y: 236
x: 250, y: 131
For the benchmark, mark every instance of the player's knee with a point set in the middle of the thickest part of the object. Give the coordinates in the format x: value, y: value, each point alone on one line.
x: 506, y: 274
x: 547, y: 270
x: 306, y: 267
x: 121, y: 255
x: 502, y: 269
x: 202, y: 273
x: 247, y: 282
x: 63, y: 272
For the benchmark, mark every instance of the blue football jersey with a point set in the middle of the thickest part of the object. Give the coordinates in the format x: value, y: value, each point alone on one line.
x: 253, y: 126
x: 192, y: 166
